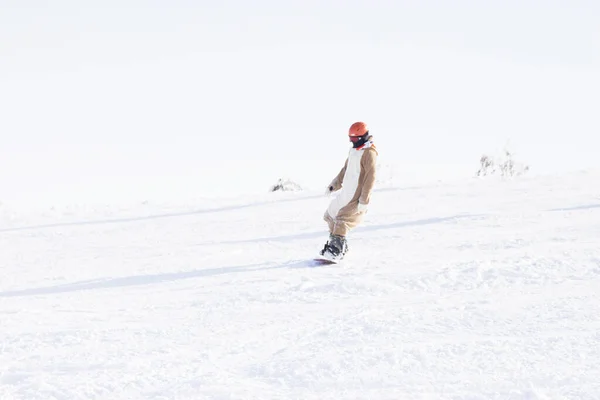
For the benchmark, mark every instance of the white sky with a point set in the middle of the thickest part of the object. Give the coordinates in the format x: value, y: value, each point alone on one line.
x: 126, y: 91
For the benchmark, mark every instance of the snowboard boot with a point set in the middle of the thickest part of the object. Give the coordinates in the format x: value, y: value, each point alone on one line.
x: 337, y: 246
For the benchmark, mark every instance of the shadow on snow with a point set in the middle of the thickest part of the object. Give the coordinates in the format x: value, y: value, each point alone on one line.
x: 138, y: 280
x: 577, y: 208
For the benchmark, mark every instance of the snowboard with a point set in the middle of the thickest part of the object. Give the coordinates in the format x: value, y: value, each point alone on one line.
x: 324, y: 260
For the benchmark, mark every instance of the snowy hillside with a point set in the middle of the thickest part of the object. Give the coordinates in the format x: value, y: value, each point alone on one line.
x: 481, y: 289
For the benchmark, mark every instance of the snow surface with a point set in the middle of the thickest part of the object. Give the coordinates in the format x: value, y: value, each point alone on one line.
x: 479, y: 289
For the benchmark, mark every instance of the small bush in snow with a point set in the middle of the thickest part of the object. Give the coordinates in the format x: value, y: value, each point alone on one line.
x: 285, y: 185
x: 505, y: 165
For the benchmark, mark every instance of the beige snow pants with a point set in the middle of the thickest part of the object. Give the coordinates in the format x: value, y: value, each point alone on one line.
x: 344, y: 222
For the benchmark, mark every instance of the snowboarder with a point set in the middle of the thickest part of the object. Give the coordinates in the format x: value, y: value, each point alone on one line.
x: 355, y: 182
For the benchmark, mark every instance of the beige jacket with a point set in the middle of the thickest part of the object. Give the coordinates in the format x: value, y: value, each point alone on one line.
x: 354, y: 184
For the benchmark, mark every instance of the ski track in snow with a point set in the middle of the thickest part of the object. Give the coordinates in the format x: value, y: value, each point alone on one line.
x: 474, y: 290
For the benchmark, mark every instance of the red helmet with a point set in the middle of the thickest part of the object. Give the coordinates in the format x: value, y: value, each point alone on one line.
x: 358, y: 129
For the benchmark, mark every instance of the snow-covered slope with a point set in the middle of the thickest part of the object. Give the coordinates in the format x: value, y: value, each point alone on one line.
x: 472, y: 290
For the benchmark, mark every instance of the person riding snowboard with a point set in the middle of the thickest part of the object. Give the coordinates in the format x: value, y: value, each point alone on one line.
x: 354, y: 182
